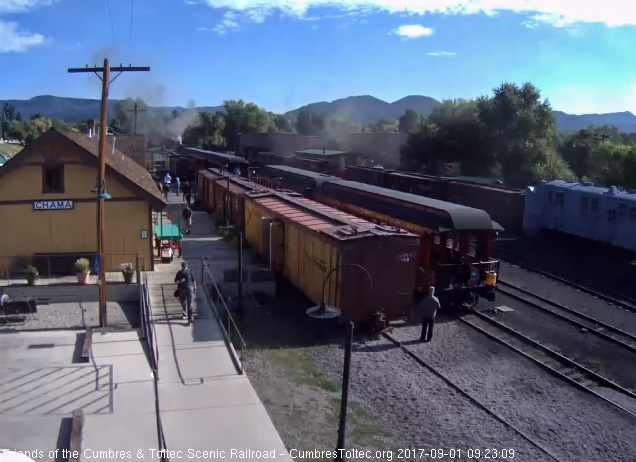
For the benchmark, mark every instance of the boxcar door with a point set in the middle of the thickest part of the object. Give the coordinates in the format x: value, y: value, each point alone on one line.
x: 277, y: 246
x: 265, y: 242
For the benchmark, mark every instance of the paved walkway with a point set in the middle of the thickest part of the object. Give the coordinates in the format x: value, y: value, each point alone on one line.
x: 205, y: 404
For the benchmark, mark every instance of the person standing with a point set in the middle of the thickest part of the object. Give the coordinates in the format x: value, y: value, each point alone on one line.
x: 429, y: 306
x: 178, y: 187
x: 187, y: 285
x: 164, y: 188
x: 186, y: 187
x: 187, y: 218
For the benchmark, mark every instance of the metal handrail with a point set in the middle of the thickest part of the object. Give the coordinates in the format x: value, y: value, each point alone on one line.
x: 150, y: 334
x: 227, y: 330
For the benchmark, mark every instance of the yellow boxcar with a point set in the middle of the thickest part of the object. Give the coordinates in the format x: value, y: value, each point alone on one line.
x: 367, y: 268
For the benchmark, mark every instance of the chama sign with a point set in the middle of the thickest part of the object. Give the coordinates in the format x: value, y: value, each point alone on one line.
x: 53, y: 205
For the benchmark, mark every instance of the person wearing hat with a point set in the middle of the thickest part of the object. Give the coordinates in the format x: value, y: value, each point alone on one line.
x: 429, y: 306
x: 187, y: 285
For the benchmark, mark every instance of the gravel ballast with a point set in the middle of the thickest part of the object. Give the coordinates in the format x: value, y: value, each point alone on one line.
x: 574, y: 424
x: 570, y: 297
x: 602, y: 356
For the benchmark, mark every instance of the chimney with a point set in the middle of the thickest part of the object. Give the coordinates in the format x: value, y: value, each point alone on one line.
x: 324, y: 148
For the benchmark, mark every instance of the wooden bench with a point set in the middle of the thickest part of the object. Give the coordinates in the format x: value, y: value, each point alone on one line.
x: 86, y: 346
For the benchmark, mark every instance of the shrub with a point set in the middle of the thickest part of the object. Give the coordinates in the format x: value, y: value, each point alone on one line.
x: 82, y: 266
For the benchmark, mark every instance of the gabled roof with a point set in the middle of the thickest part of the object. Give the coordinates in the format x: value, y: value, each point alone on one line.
x: 120, y: 166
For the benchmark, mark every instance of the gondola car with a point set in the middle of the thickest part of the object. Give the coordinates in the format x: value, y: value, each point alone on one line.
x: 455, y: 246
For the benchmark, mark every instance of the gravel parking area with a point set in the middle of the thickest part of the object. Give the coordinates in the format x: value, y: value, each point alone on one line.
x: 602, y: 356
x: 575, y: 425
x: 572, y: 298
x: 121, y: 315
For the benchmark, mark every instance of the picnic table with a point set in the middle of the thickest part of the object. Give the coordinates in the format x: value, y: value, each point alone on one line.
x: 168, y: 235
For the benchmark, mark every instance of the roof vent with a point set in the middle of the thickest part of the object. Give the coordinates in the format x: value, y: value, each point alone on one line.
x: 612, y: 190
x: 587, y: 183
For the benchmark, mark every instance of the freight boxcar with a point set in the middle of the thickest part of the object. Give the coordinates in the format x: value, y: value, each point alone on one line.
x: 504, y: 205
x: 304, y: 241
x: 205, y: 188
x: 369, y: 175
x: 298, y: 180
x: 201, y: 159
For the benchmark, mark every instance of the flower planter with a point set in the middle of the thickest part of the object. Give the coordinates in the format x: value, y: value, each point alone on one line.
x: 82, y: 278
x: 128, y: 277
x: 31, y: 280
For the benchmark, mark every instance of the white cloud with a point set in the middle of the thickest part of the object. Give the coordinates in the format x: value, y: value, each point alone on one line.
x: 412, y: 31
x: 12, y: 39
x: 22, y: 6
x: 442, y: 53
x: 558, y: 13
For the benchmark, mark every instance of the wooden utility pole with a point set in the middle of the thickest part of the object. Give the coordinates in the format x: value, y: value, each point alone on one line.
x: 100, y: 189
x: 136, y: 111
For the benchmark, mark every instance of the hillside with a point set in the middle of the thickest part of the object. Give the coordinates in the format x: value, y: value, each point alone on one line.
x: 365, y: 109
x: 76, y: 109
x: 361, y: 109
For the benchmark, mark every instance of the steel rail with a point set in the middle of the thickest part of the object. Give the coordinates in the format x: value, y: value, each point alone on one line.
x: 588, y: 318
x: 466, y: 394
x: 572, y: 364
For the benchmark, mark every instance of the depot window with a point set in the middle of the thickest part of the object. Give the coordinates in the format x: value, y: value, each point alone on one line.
x: 53, y: 179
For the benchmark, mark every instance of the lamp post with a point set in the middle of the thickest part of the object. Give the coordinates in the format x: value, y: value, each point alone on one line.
x: 324, y: 311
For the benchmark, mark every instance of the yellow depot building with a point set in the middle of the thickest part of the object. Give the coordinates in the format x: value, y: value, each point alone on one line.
x: 47, y: 206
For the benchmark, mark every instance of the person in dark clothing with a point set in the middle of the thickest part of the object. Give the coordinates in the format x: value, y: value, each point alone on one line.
x: 187, y: 285
x: 429, y: 306
x: 185, y: 189
x: 187, y: 218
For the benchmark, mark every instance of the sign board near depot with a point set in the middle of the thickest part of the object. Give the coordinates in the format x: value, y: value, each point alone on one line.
x: 53, y: 205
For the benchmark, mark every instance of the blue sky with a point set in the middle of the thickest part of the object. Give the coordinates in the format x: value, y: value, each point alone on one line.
x: 282, y: 54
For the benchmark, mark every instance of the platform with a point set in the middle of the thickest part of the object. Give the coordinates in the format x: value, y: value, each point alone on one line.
x: 205, y: 404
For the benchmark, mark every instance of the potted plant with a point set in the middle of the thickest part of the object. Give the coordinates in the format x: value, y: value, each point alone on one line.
x: 82, y: 270
x: 127, y: 270
x: 32, y: 274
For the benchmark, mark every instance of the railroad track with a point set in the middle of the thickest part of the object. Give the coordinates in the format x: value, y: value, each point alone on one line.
x: 618, y: 300
x: 550, y: 360
x: 595, y: 326
x: 423, y: 363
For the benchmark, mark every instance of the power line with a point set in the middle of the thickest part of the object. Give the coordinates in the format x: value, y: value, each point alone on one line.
x: 112, y: 28
x: 132, y: 8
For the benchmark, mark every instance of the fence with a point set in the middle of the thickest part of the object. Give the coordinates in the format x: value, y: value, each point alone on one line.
x: 59, y: 267
x: 230, y: 331
x: 149, y: 334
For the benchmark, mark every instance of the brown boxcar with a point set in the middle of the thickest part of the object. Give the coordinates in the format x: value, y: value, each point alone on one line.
x: 423, y: 185
x: 205, y: 188
x: 504, y: 205
x: 304, y: 241
x: 368, y: 175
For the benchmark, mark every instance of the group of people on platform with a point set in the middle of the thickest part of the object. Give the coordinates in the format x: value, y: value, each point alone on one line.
x: 185, y: 188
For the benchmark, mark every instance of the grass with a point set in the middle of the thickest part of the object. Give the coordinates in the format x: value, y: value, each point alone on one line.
x: 10, y: 149
x: 360, y: 430
x: 304, y: 370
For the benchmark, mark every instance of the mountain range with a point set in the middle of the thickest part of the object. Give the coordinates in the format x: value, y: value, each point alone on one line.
x: 361, y: 109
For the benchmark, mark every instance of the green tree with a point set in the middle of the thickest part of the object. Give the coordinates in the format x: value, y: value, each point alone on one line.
x: 28, y: 130
x: 242, y: 118
x: 409, y: 121
x: 521, y: 128
x: 383, y: 125
x: 310, y: 122
x: 8, y: 117
x: 282, y: 123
